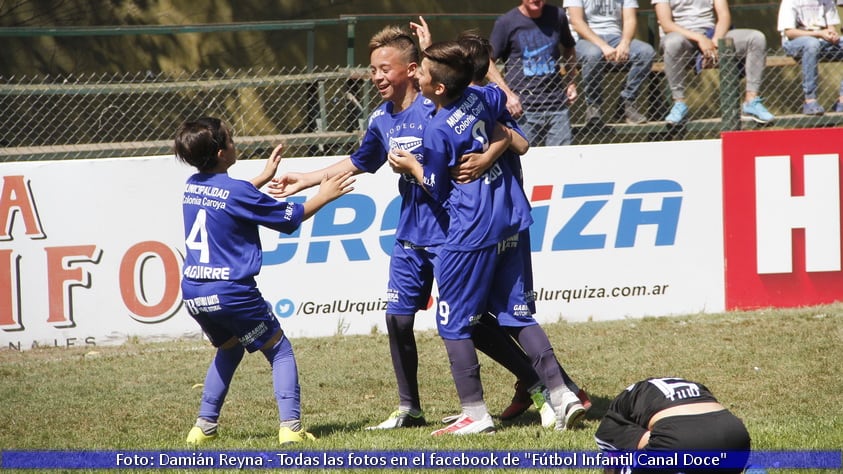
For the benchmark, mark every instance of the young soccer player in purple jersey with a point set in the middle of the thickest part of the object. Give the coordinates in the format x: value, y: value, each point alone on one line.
x: 221, y: 220
x: 528, y: 390
x: 479, y: 268
x: 480, y: 50
x: 399, y: 122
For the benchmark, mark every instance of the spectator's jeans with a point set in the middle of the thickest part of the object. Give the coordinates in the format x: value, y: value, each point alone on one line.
x: 594, y: 67
x: 809, y: 51
x: 547, y: 128
x: 750, y: 45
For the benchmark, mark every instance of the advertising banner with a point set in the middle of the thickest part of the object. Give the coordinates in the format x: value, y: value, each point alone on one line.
x: 626, y: 230
x: 782, y: 217
x: 91, y: 250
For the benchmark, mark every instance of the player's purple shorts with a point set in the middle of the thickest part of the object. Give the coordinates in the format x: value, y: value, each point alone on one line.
x: 471, y: 283
x: 410, y: 278
x: 226, y: 309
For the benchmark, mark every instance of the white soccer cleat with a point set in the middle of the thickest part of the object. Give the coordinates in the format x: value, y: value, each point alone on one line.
x: 400, y: 419
x: 571, y: 414
x: 465, y: 425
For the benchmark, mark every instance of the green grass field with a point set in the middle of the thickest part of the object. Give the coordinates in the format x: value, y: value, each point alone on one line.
x: 779, y: 370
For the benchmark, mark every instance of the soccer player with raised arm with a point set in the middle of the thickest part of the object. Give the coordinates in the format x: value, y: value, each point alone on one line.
x: 480, y: 267
x: 398, y: 122
x: 221, y: 220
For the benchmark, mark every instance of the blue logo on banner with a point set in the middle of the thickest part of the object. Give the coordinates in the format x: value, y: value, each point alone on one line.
x: 284, y: 308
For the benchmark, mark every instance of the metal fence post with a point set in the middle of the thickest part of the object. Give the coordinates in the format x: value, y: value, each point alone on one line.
x: 349, y: 34
x: 729, y: 85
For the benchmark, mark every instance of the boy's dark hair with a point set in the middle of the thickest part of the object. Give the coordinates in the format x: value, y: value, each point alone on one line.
x: 398, y: 38
x: 199, y: 141
x: 479, y: 49
x: 450, y: 66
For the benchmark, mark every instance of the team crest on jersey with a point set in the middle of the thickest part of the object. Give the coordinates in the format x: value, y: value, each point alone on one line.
x: 405, y: 143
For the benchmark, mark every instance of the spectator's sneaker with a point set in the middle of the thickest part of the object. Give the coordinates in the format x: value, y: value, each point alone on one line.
x: 400, y: 419
x: 288, y: 436
x: 677, y: 113
x: 593, y: 116
x: 755, y: 110
x: 521, y: 401
x: 542, y: 401
x: 571, y: 414
x: 812, y: 108
x: 586, y: 402
x: 465, y: 425
x: 631, y: 114
x: 202, y: 432
x: 837, y: 107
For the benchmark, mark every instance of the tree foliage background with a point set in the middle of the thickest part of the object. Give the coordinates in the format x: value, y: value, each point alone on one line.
x: 61, y: 55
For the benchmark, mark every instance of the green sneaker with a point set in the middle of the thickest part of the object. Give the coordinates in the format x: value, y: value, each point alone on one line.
x: 197, y: 436
x: 541, y: 399
x: 288, y: 436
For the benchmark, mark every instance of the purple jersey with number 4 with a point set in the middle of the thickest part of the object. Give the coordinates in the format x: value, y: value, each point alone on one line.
x: 221, y: 220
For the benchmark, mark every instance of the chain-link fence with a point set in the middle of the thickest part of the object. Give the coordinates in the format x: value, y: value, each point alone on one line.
x: 324, y: 111
x: 313, y: 111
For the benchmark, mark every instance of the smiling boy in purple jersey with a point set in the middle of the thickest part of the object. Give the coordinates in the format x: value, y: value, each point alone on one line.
x: 480, y: 266
x: 221, y: 220
x: 399, y: 122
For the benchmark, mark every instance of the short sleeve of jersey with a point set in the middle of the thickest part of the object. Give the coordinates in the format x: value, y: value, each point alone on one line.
x: 492, y: 93
x: 253, y: 205
x: 573, y: 3
x: 496, y: 100
x: 371, y: 154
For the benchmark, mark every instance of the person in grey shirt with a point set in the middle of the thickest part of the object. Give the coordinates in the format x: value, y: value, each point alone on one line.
x: 688, y: 27
x: 606, y: 30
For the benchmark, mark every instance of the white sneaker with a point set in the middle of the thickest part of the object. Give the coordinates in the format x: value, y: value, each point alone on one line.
x: 571, y: 414
x: 400, y: 419
x: 542, y: 401
x: 465, y: 425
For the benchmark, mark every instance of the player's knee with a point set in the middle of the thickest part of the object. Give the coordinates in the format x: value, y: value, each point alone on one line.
x: 399, y: 324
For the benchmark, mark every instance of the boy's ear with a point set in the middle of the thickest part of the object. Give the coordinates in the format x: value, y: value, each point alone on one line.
x: 440, y: 89
x: 411, y: 69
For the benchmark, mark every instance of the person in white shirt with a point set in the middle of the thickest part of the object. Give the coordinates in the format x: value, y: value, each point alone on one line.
x: 694, y: 27
x: 606, y: 31
x: 810, y: 32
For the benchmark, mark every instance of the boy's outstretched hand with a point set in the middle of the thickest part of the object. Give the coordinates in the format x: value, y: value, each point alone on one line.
x: 286, y: 185
x: 270, y: 168
x: 337, y: 185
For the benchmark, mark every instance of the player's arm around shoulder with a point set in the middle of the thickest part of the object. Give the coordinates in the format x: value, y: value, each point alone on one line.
x: 472, y: 165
